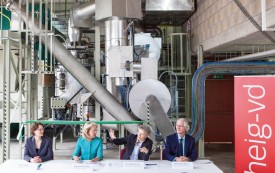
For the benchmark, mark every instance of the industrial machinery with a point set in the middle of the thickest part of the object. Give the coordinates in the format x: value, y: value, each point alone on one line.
x: 93, y: 61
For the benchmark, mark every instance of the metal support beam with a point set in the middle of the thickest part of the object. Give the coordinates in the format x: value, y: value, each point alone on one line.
x: 201, y: 141
x: 6, y: 102
x: 97, y: 71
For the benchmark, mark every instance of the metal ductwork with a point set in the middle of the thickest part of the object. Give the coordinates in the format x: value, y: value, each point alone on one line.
x: 79, y: 71
x: 85, y: 11
x: 81, y: 15
x: 167, y: 12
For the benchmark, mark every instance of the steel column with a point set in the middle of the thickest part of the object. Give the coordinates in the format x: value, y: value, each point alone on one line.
x: 6, y: 102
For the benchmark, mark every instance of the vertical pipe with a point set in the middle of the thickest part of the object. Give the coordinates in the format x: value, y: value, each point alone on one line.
x: 97, y: 71
x: 115, y: 35
x: 172, y: 53
x: 20, y: 59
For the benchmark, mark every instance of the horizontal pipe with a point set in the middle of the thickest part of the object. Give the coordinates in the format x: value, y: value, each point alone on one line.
x: 254, y: 56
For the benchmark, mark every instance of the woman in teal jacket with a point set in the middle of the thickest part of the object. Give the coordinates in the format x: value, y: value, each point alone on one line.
x: 89, y: 146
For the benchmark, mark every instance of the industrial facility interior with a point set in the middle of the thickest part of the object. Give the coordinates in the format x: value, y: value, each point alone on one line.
x: 125, y: 62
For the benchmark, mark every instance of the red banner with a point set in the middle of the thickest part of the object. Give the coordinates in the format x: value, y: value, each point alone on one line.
x: 254, y: 123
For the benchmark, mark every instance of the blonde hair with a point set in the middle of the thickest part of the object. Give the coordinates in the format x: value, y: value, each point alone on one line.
x: 185, y: 123
x: 86, y: 128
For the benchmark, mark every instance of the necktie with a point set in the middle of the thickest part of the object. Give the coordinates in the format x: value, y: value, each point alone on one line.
x: 180, y: 147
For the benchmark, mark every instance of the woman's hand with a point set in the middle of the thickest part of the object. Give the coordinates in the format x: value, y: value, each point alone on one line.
x: 95, y: 159
x: 112, y: 134
x: 76, y: 158
x: 144, y: 150
x: 36, y: 159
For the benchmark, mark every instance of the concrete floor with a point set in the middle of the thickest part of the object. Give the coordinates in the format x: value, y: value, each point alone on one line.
x: 221, y: 154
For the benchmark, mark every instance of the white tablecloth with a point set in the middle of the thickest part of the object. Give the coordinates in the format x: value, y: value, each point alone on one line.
x: 106, y: 166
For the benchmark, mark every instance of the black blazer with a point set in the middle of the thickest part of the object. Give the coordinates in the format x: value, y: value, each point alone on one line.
x: 130, y: 142
x: 172, y: 145
x: 45, y: 152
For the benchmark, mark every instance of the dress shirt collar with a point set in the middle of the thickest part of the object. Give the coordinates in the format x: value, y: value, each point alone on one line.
x: 181, y: 137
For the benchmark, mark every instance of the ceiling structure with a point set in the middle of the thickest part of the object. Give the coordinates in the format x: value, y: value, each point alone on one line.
x: 154, y: 16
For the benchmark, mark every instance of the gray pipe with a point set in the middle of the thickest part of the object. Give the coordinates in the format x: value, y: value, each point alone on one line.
x: 80, y: 73
x: 74, y: 34
x: 85, y: 11
x: 255, y: 56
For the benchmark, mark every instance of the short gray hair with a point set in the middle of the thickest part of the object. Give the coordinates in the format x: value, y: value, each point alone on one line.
x: 145, y: 128
x: 185, y: 123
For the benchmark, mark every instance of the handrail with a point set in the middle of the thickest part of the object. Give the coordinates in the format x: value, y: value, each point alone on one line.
x: 62, y: 122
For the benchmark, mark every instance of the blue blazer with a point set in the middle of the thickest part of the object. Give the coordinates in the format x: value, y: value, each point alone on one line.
x: 45, y: 152
x: 130, y: 142
x: 172, y: 147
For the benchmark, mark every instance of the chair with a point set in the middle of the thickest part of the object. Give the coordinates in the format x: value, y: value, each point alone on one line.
x: 162, y: 156
x: 122, y: 152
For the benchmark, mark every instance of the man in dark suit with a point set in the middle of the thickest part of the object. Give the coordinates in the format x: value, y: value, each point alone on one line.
x: 38, y: 148
x: 138, y: 147
x: 180, y: 146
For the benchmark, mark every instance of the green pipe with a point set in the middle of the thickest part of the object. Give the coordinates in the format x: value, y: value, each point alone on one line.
x: 19, y: 135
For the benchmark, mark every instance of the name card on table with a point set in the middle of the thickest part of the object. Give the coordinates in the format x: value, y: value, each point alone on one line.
x: 81, y: 166
x: 182, y: 165
x: 136, y: 165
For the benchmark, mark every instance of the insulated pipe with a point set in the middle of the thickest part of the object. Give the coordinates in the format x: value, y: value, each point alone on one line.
x: 74, y: 33
x: 84, y: 77
x: 255, y: 56
x: 85, y: 11
x: 137, y: 67
x: 223, y: 68
x: 115, y: 35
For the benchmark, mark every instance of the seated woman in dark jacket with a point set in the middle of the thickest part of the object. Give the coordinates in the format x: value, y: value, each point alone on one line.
x: 138, y: 147
x: 38, y: 148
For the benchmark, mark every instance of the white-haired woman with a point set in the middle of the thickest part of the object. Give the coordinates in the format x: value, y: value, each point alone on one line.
x: 89, y: 146
x: 180, y: 146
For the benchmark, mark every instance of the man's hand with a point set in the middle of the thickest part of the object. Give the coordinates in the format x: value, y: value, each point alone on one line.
x: 144, y: 150
x: 182, y: 159
x: 112, y: 134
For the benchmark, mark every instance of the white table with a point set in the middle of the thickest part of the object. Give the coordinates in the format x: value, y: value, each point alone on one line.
x: 106, y: 166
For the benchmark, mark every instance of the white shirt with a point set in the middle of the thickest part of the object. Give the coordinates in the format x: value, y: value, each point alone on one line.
x: 134, y: 155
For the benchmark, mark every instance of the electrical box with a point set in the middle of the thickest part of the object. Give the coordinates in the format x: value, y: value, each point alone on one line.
x: 57, y: 103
